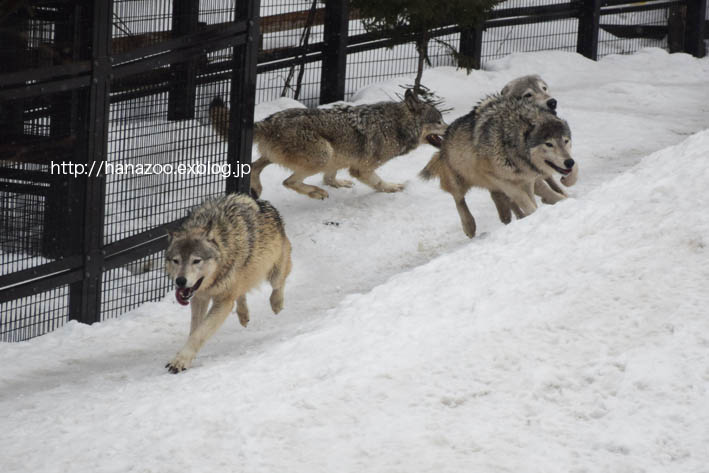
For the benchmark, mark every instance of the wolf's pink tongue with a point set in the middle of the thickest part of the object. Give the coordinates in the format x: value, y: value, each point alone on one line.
x: 180, y: 298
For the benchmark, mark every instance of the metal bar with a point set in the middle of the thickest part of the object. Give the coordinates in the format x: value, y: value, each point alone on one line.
x: 675, y: 29
x: 243, y: 97
x: 289, y: 52
x: 34, y: 90
x: 695, y: 31
x: 26, y: 175
x: 146, y: 249
x: 44, y: 73
x: 651, y: 4
x: 531, y: 19
x: 214, y: 33
x: 183, y: 74
x: 23, y: 189
x: 26, y: 276
x: 334, y: 64
x: 640, y: 7
x: 41, y: 285
x: 147, y: 64
x: 534, y: 11
x: 126, y: 244
x: 87, y: 308
x: 587, y: 37
x: 470, y: 49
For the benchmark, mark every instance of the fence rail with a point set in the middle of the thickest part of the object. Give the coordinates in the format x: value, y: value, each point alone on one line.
x: 129, y: 81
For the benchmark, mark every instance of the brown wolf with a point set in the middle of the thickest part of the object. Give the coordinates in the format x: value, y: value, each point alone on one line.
x: 504, y: 145
x: 361, y: 138
x: 225, y: 248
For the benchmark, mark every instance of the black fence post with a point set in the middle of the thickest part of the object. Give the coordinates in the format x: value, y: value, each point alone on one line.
x: 334, y: 64
x: 183, y: 75
x: 85, y: 296
x: 471, y: 45
x: 63, y: 208
x: 589, y: 20
x: 676, y: 21
x: 14, y: 40
x: 243, y: 98
x: 696, y: 27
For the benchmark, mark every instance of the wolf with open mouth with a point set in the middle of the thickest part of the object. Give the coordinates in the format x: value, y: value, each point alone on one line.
x: 361, y: 138
x: 506, y: 145
x: 225, y: 247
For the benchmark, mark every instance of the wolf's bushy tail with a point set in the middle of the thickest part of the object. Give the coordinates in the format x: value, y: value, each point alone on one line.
x: 432, y: 169
x: 219, y: 117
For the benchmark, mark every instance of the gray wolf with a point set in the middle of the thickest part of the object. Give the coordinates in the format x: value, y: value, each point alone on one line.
x: 535, y: 89
x: 225, y: 247
x: 504, y: 145
x: 361, y: 138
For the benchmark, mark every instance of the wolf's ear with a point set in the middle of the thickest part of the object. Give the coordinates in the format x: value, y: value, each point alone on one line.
x: 170, y: 235
x: 505, y: 90
x: 209, y: 230
x: 411, y: 99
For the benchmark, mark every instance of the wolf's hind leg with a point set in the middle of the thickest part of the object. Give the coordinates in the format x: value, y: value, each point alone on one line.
x: 242, y: 310
x: 372, y: 179
x: 503, y: 205
x: 278, y: 276
x: 256, y: 169
x: 295, y: 182
x: 466, y: 218
x: 330, y: 179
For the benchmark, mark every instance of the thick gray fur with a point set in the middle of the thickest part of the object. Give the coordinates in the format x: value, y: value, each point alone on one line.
x: 225, y: 248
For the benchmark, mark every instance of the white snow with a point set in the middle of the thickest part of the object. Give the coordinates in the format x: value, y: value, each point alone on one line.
x: 576, y: 340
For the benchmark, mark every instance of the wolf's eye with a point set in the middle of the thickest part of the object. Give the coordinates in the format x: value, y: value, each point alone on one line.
x: 528, y: 95
x: 544, y: 89
x: 549, y: 145
x: 566, y: 141
x: 196, y: 261
x: 175, y: 260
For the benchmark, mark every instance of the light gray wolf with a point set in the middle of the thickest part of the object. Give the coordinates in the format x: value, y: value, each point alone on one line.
x: 225, y: 247
x: 361, y: 138
x: 504, y: 145
x: 535, y: 89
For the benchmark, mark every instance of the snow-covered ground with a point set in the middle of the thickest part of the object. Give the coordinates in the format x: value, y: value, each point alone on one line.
x: 576, y: 340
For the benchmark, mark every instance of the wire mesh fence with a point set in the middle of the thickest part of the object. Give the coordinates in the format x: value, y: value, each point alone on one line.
x: 71, y: 245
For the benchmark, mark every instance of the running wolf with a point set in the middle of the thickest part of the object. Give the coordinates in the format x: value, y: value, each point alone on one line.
x: 225, y: 247
x: 360, y: 138
x: 534, y: 89
x: 504, y: 145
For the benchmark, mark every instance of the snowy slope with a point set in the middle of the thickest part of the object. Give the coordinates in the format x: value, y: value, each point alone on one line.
x: 574, y: 340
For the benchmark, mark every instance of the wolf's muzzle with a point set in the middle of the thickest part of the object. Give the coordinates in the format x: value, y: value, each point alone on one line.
x: 184, y: 294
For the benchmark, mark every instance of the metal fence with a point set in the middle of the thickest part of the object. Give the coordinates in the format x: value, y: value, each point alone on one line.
x: 115, y: 86
x: 94, y: 93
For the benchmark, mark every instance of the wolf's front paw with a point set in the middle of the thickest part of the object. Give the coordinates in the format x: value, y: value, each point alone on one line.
x: 391, y: 187
x: 179, y: 363
x: 317, y: 193
x: 551, y: 200
x: 243, y: 318
x: 337, y: 183
x: 276, y: 301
